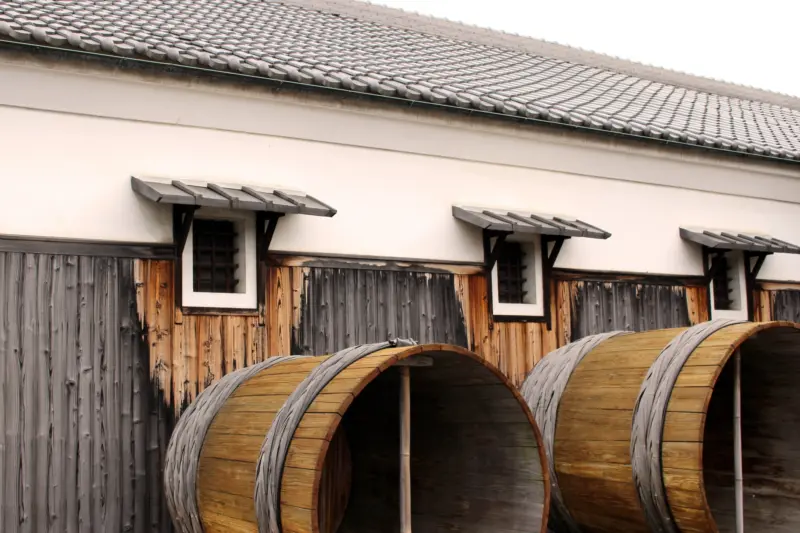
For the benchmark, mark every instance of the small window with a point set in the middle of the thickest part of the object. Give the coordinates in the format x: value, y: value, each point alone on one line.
x: 511, y: 274
x: 517, y: 284
x: 215, y: 256
x: 721, y: 282
x: 728, y: 285
x: 219, y: 261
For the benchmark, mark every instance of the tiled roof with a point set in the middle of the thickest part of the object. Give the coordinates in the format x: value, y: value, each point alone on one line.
x: 351, y: 46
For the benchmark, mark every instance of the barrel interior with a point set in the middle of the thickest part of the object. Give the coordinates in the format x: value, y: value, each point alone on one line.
x: 770, y: 392
x: 475, y: 461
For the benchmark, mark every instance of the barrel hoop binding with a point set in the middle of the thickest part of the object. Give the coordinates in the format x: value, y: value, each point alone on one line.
x: 269, y: 471
x: 648, y: 422
x: 184, y: 449
x: 542, y: 392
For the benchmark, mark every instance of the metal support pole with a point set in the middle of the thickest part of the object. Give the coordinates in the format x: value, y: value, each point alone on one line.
x: 405, y: 449
x: 737, y: 441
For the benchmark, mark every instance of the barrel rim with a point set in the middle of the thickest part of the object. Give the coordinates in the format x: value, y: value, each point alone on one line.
x: 435, y: 347
x: 755, y: 328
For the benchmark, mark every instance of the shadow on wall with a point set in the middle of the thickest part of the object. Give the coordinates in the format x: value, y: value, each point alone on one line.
x: 83, y: 428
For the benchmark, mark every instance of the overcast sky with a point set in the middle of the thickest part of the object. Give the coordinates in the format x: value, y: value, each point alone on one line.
x: 751, y: 42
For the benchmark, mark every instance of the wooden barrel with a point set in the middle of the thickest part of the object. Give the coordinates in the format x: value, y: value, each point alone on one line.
x: 639, y: 429
x: 312, y: 444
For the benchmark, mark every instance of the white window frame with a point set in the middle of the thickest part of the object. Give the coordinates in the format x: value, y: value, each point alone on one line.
x: 248, y: 299
x: 736, y: 261
x: 528, y: 310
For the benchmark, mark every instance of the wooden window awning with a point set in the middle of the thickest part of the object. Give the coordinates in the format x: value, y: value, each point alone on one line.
x: 250, y: 198
x: 728, y: 240
x: 505, y: 221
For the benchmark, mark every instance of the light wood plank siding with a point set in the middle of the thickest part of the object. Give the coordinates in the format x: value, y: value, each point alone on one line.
x: 318, y: 310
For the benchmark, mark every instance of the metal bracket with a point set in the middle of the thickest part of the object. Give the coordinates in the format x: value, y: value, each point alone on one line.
x: 182, y: 217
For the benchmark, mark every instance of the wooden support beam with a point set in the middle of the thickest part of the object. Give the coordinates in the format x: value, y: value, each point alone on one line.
x: 405, y: 449
x: 491, y: 253
x: 182, y: 217
x: 737, y: 441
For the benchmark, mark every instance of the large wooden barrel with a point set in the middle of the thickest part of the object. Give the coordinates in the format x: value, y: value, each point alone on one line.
x: 312, y: 444
x: 639, y: 429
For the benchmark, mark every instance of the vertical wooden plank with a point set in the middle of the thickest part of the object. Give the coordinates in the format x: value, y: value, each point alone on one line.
x: 12, y: 282
x: 4, y: 356
x: 299, y: 289
x: 254, y: 342
x: 479, y: 313
x: 85, y: 395
x: 98, y: 377
x: 564, y: 313
x: 28, y: 362
x: 279, y: 310
x: 341, y: 325
x: 112, y: 398
x: 127, y: 328
x: 141, y: 276
x: 421, y: 284
x: 140, y: 357
x: 180, y: 368
x: 371, y: 307
x: 405, y: 312
x: 57, y: 492
x: 461, y: 283
x: 763, y: 305
x: 382, y: 288
x: 161, y: 327
x: 210, y: 343
x: 203, y: 344
x: 702, y: 304
x: 552, y: 332
x: 235, y: 337
x: 44, y: 393
x: 72, y: 312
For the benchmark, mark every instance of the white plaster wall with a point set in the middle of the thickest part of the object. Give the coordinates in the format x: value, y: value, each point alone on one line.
x: 65, y: 175
x: 70, y: 140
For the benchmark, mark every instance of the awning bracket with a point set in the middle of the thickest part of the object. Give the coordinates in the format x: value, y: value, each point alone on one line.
x: 266, y: 222
x: 551, y: 255
x: 492, y: 253
x: 182, y: 218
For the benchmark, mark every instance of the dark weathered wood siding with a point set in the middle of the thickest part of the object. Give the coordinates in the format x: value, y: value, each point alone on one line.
x: 602, y: 306
x: 777, y: 301
x: 97, y: 361
x: 345, y: 307
x: 82, y: 429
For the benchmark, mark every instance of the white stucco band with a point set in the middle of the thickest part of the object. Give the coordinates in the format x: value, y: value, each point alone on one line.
x: 68, y: 176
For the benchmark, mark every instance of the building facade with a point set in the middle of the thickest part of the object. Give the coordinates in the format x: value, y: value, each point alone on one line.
x: 165, y: 223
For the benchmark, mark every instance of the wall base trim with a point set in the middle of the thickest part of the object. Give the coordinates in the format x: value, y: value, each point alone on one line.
x: 40, y: 245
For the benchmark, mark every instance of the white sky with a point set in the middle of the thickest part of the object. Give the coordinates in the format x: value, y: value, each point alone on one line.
x: 755, y: 42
